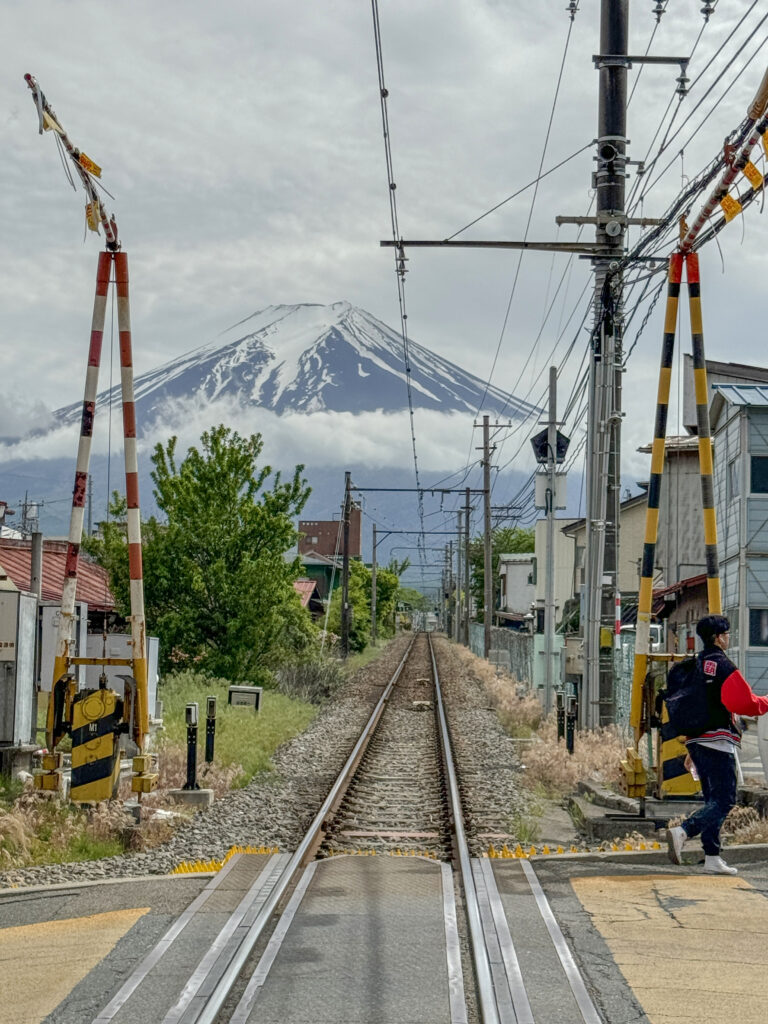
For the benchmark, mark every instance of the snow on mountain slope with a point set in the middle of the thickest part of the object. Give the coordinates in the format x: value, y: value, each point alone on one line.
x: 306, y: 358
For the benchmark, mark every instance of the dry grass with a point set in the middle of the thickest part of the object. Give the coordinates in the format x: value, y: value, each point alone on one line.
x: 744, y: 825
x: 37, y: 830
x: 549, y: 768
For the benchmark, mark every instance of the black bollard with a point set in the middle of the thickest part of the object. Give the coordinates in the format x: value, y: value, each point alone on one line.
x: 191, y: 716
x: 560, y: 706
x: 571, y: 714
x: 210, y: 728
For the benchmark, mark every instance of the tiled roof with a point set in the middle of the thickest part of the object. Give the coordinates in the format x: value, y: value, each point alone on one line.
x: 92, y: 581
x: 305, y: 589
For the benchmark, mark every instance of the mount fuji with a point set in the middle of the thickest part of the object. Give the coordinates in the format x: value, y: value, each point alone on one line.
x: 310, y: 358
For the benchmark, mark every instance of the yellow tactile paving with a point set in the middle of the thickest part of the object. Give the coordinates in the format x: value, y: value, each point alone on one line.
x: 40, y: 964
x: 691, y: 947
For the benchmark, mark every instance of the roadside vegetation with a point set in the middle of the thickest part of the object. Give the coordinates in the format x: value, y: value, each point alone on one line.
x: 549, y: 769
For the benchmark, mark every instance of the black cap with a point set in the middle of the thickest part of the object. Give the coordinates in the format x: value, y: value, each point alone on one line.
x: 711, y: 626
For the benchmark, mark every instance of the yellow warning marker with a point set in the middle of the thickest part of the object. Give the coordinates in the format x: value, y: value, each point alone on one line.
x: 753, y: 176
x: 560, y: 849
x: 88, y: 165
x: 731, y: 207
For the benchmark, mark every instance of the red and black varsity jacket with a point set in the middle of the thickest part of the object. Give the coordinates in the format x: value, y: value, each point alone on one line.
x: 728, y: 694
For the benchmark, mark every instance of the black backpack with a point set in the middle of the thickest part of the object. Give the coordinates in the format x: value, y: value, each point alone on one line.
x: 686, y: 698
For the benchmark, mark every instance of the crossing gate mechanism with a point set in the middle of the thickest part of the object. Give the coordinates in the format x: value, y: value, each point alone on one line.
x: 672, y: 777
x: 95, y: 719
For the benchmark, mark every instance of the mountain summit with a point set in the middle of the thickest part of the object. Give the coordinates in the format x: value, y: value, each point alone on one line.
x: 307, y: 358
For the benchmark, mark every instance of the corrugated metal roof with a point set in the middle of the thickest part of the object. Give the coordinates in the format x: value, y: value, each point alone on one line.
x: 743, y: 394
x: 92, y: 580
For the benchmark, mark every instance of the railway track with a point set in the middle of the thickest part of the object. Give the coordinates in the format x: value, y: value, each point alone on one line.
x: 398, y: 790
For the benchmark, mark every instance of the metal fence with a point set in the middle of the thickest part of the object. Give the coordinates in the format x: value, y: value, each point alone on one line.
x: 519, y: 646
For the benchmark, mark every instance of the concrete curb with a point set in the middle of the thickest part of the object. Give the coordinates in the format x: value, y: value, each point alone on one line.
x: 16, y: 890
x: 745, y: 854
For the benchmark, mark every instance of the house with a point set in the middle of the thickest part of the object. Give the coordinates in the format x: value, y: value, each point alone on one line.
x: 739, y: 417
x: 92, y: 580
x: 517, y: 592
x: 324, y: 570
x: 680, y: 543
x: 631, y: 537
x: 309, y: 597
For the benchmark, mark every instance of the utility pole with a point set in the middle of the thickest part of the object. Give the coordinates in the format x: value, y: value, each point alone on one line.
x: 457, y: 604
x: 467, y: 593
x: 345, y: 570
x: 373, y: 590
x: 451, y: 590
x: 549, y: 589
x: 487, y: 558
x: 603, y: 430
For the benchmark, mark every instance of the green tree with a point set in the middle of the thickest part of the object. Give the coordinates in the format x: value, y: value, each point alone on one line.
x: 387, y: 586
x: 414, y: 599
x: 506, y: 540
x: 218, y: 590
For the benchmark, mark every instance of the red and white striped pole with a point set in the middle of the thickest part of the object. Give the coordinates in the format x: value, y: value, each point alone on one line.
x: 138, y: 623
x: 64, y: 638
x: 617, y: 623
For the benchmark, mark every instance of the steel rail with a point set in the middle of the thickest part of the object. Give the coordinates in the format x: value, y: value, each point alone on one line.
x: 217, y: 998
x: 484, y: 980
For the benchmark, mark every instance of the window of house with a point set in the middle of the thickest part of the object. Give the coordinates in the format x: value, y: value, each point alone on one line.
x: 759, y: 474
x: 758, y: 627
x: 732, y: 480
x: 532, y: 573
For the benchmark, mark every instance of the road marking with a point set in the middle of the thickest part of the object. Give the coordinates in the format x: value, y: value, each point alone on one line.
x: 689, y: 946
x: 40, y: 964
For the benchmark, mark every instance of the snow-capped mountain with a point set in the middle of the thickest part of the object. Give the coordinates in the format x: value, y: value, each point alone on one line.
x: 307, y: 358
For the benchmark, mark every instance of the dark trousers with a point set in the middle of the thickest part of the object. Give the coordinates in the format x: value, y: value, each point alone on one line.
x: 717, y: 772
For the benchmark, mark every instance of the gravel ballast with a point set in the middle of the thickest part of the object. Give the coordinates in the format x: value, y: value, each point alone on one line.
x: 276, y: 808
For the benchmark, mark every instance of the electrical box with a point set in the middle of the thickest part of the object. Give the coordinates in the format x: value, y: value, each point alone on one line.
x: 18, y: 632
x: 119, y: 646
x: 48, y: 635
x: 542, y: 486
x: 245, y: 697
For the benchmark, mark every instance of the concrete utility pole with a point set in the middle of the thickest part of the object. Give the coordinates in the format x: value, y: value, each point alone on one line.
x: 603, y: 434
x: 549, y: 590
x: 457, y: 604
x: 373, y: 590
x: 345, y: 570
x: 487, y: 559
x: 467, y: 594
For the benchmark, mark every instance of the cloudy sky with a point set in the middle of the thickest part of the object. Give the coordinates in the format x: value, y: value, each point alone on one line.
x: 243, y: 144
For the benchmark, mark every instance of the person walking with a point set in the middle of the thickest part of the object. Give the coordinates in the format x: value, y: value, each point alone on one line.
x: 713, y: 752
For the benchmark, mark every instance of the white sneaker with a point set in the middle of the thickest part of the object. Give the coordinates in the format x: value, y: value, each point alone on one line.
x: 717, y: 866
x: 676, y: 837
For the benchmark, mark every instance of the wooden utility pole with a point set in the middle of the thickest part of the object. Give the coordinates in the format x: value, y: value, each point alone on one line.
x: 487, y: 556
x: 345, y: 569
